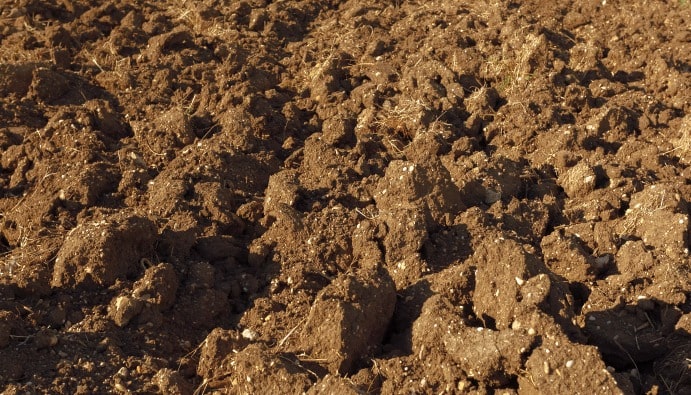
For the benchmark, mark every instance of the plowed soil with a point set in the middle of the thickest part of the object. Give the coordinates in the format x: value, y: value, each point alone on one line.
x: 345, y: 197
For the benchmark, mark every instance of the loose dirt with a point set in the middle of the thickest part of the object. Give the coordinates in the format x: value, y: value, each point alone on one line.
x: 345, y: 197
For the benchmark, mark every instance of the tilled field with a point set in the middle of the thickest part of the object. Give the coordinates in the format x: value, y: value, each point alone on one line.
x: 345, y: 197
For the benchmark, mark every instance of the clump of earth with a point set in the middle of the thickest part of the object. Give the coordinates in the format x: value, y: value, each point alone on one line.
x: 351, y: 197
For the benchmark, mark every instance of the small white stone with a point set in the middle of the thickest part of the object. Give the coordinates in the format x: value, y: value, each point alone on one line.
x: 569, y: 363
x: 249, y: 334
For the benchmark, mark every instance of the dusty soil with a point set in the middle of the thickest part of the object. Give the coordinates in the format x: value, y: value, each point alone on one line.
x: 345, y: 197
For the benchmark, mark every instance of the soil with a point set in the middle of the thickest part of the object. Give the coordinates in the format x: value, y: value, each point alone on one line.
x: 345, y: 197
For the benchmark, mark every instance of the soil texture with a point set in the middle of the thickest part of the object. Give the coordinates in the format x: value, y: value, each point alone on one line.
x: 345, y: 197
